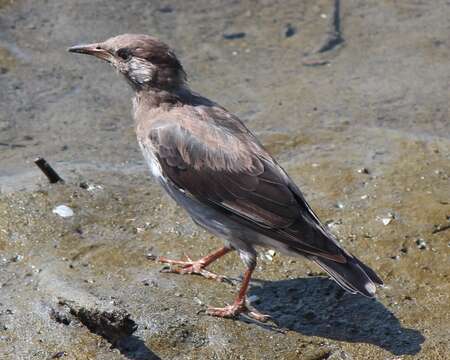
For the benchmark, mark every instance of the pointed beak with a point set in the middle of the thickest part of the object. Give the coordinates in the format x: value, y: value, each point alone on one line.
x: 92, y: 49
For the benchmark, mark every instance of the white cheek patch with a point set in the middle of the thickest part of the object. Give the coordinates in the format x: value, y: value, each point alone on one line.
x: 140, y: 71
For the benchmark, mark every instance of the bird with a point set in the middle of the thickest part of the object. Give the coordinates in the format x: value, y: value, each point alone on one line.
x: 213, y: 166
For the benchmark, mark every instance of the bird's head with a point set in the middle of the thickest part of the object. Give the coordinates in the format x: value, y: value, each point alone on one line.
x: 146, y: 62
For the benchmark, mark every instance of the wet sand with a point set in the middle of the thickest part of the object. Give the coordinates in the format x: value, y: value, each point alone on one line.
x: 363, y: 128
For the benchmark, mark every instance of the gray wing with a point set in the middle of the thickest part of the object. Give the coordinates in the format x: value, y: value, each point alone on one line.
x: 225, y: 167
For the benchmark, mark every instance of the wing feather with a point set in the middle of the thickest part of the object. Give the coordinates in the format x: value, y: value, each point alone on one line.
x: 230, y: 170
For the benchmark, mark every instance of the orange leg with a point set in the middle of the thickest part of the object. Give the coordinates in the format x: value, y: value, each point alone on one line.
x: 197, y: 266
x: 239, y: 306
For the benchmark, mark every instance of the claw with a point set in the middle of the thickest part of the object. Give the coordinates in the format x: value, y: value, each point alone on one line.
x: 188, y: 267
x: 233, y: 311
x: 259, y: 317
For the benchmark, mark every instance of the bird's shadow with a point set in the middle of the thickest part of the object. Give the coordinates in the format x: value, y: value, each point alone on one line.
x: 133, y: 348
x: 319, y: 307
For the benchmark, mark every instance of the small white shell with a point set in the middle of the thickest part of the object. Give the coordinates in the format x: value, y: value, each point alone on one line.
x: 63, y: 211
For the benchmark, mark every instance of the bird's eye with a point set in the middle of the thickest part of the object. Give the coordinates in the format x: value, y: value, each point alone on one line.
x: 124, y: 54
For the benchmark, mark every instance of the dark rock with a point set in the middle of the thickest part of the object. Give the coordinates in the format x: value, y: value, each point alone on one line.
x: 289, y: 31
x: 421, y: 244
x: 59, y: 355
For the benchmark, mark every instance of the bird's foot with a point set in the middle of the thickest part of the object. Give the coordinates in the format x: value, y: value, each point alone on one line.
x: 189, y: 267
x: 233, y: 311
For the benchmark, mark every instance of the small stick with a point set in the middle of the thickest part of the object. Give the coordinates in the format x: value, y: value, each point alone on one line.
x: 48, y: 171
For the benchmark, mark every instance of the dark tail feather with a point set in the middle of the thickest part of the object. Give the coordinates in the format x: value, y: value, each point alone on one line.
x: 370, y: 273
x: 353, y: 276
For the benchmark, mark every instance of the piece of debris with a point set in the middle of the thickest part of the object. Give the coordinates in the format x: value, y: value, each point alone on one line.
x: 151, y: 256
x: 269, y: 254
x: 421, y: 244
x: 48, y: 171
x: 63, y: 211
x: 363, y: 170
x: 59, y: 355
x: 151, y: 283
x: 90, y: 187
x: 234, y: 35
x: 289, y: 31
x: 198, y: 301
x: 340, y: 205
x: 17, y: 258
x: 387, y: 219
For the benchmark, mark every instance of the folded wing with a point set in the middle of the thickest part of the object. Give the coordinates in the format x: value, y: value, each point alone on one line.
x: 226, y: 167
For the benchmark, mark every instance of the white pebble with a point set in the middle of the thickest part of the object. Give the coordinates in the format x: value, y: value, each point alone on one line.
x: 387, y: 220
x: 63, y: 211
x: 198, y: 301
x: 94, y: 188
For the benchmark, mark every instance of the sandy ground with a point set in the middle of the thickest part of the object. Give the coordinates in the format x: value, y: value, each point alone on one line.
x: 363, y: 128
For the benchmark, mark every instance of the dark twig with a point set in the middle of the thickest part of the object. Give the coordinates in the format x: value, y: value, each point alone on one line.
x: 440, y: 228
x: 334, y: 35
x: 48, y: 171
